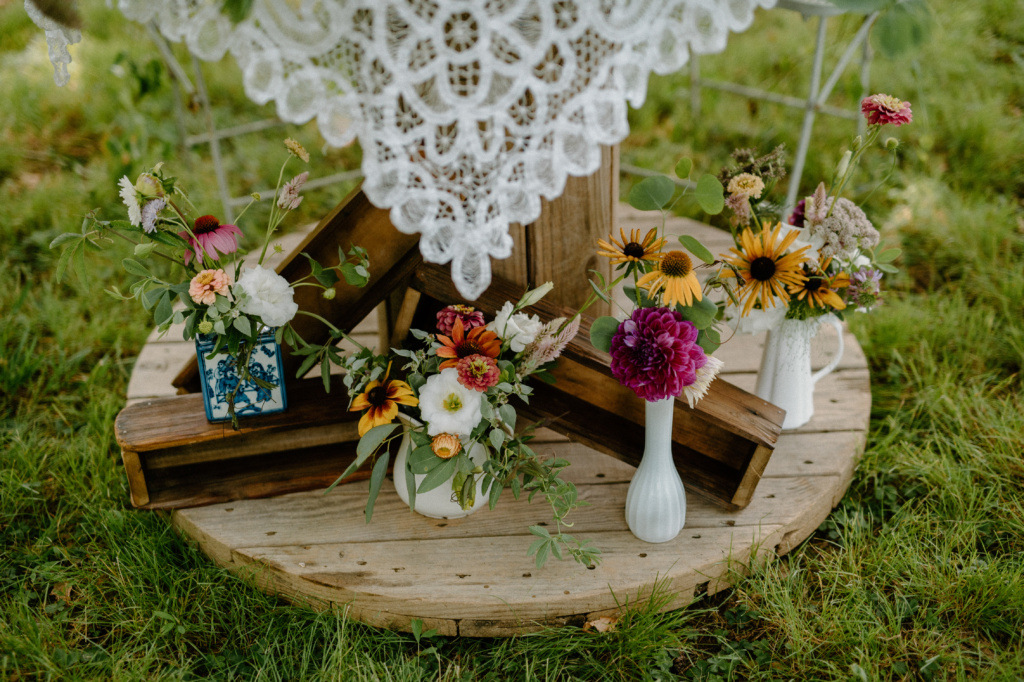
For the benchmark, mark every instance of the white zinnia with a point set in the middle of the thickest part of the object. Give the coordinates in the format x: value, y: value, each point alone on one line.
x: 519, y: 329
x: 130, y: 197
x: 266, y: 295
x: 449, y: 407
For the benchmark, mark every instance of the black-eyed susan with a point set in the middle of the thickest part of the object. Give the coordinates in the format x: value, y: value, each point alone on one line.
x: 819, y: 289
x: 381, y: 399
x: 674, y: 278
x: 765, y: 267
x: 633, y: 249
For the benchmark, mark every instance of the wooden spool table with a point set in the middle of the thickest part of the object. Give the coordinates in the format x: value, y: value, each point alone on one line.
x: 472, y: 576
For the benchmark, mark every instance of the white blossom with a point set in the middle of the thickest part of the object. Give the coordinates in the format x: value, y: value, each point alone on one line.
x: 705, y: 375
x: 518, y: 329
x: 130, y: 197
x: 447, y: 406
x: 266, y: 295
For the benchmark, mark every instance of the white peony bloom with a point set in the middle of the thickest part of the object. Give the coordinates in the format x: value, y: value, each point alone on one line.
x: 449, y: 407
x: 130, y: 197
x: 266, y: 295
x: 519, y: 329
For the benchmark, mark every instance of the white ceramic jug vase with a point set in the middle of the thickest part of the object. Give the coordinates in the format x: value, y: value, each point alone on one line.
x: 785, y: 377
x: 656, y: 501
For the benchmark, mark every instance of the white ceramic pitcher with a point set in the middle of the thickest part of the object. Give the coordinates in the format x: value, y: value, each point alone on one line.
x: 785, y: 377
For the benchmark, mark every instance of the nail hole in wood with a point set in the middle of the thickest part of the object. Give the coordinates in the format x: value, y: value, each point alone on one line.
x: 271, y: 532
x: 833, y: 400
x: 695, y: 537
x: 591, y: 567
x: 400, y: 568
x: 770, y: 497
x: 441, y: 525
x: 643, y: 554
x: 730, y: 523
x: 230, y: 509
x: 462, y: 576
x: 527, y: 575
x: 808, y: 461
x: 341, y: 554
x: 543, y: 523
x: 600, y: 475
x: 361, y: 563
x: 566, y: 592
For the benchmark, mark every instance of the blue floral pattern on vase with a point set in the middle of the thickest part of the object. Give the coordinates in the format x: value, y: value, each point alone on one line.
x: 220, y: 377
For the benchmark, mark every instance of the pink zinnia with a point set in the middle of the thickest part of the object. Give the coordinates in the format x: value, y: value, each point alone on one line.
x: 478, y: 372
x: 882, y: 109
x: 205, y: 286
x: 211, y: 240
x: 655, y: 353
x: 470, y: 316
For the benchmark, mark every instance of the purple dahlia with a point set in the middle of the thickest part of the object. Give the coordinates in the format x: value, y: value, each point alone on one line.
x: 655, y: 353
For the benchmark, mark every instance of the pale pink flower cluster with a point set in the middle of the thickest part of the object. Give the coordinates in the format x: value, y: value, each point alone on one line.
x: 205, y: 286
x: 289, y: 198
x: 842, y: 232
x: 549, y: 344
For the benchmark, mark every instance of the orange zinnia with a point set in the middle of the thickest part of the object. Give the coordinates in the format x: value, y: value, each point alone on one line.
x: 479, y: 341
x: 381, y: 399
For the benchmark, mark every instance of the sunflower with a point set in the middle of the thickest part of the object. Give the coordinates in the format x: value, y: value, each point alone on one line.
x: 765, y: 267
x: 462, y: 344
x: 819, y: 289
x: 381, y: 399
x: 632, y: 250
x: 675, y: 275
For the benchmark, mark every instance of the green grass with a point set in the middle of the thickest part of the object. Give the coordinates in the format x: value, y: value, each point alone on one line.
x: 919, y: 574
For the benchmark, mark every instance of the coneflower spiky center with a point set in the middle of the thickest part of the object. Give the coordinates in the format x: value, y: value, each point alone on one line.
x: 676, y: 264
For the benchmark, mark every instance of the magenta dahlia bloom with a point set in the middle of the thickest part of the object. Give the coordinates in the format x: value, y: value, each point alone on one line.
x: 882, y: 109
x: 212, y: 238
x: 470, y: 316
x: 655, y: 353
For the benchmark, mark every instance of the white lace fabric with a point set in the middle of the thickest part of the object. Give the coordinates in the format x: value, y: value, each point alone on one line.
x: 468, y: 111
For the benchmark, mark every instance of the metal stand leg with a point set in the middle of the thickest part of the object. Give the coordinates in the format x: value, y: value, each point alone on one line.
x: 218, y: 163
x: 695, y: 86
x: 808, y: 124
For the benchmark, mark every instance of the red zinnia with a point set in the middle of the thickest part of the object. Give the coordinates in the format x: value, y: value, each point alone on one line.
x: 478, y: 372
x: 470, y: 316
x: 479, y: 341
x: 211, y: 239
x: 882, y: 109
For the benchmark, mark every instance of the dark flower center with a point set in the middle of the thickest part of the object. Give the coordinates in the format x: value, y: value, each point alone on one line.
x: 814, y: 284
x: 377, y: 396
x: 676, y: 264
x: 467, y: 348
x: 634, y: 250
x: 205, y: 223
x: 762, y: 269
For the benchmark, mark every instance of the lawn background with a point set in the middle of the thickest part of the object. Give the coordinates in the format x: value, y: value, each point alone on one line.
x: 919, y: 574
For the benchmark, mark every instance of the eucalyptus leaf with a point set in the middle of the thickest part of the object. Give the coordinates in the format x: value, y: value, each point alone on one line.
x: 508, y: 415
x: 372, y: 439
x: 710, y: 194
x: 497, y: 437
x: 144, y: 249
x: 164, y: 311
x: 888, y: 256
x: 380, y: 468
x: 136, y: 268
x: 422, y: 460
x: 602, y: 331
x: 241, y: 323
x: 651, y: 194
x: 696, y: 248
x: 437, y: 476
x: 683, y: 168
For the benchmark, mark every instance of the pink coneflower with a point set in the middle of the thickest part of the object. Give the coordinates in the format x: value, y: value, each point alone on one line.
x: 212, y: 239
x: 882, y: 109
x: 478, y: 372
x: 470, y: 316
x: 655, y: 353
x: 289, y: 198
x: 205, y: 286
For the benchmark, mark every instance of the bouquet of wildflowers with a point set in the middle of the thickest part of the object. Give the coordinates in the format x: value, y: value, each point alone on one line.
x: 664, y: 346
x: 455, y: 397
x: 828, y: 258
x: 216, y: 295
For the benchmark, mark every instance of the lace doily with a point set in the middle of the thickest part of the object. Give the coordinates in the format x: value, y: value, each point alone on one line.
x: 468, y: 111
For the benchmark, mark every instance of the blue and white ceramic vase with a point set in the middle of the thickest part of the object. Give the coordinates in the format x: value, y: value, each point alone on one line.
x: 220, y: 377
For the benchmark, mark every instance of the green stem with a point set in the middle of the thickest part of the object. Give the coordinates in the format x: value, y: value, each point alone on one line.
x: 333, y: 328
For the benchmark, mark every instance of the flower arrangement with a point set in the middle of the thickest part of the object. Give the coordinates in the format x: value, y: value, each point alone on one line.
x: 218, y: 296
x: 828, y: 258
x: 455, y: 398
x: 664, y: 346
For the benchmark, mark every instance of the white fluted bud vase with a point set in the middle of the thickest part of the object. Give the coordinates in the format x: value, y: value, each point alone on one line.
x: 656, y: 501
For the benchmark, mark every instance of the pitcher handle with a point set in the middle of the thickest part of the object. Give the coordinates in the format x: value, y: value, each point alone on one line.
x: 824, y: 371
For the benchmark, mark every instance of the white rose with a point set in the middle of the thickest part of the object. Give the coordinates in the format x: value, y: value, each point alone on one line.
x: 267, y: 295
x: 447, y: 406
x: 519, y: 329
